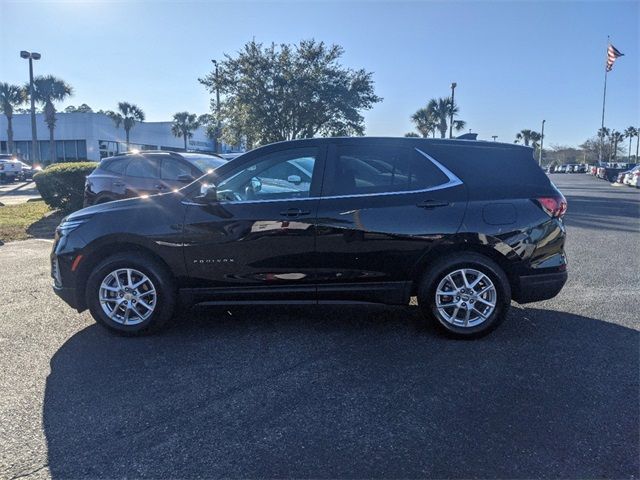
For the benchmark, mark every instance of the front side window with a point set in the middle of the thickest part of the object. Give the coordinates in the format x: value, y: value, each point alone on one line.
x: 281, y: 175
x: 174, y: 169
x: 358, y: 170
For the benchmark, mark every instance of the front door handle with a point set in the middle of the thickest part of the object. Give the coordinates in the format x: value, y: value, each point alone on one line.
x: 294, y: 212
x: 160, y: 186
x: 428, y: 204
x: 118, y: 184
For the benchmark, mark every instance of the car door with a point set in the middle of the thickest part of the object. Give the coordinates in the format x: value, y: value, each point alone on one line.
x: 383, y: 205
x: 141, y: 176
x: 257, y: 240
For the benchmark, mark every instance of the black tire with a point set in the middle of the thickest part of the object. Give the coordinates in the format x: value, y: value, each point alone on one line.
x: 165, y: 300
x: 445, y: 266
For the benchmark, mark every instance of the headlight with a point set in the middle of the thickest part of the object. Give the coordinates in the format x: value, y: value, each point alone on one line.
x: 68, y: 226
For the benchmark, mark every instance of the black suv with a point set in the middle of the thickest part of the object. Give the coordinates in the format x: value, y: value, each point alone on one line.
x: 466, y: 226
x: 145, y: 173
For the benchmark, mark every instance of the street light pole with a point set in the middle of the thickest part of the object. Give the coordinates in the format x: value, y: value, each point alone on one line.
x: 34, y: 134
x: 453, y: 92
x: 541, y: 144
x: 217, y: 141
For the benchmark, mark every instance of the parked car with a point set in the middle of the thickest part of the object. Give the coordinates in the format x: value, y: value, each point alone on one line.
x: 593, y: 170
x: 28, y: 171
x: 610, y: 171
x: 145, y: 173
x: 377, y: 220
x: 561, y: 169
x: 10, y: 168
x: 631, y: 178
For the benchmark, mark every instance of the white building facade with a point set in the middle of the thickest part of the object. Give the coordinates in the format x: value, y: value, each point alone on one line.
x: 93, y: 136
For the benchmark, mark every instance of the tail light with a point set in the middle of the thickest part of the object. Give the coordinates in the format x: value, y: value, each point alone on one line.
x: 555, y: 206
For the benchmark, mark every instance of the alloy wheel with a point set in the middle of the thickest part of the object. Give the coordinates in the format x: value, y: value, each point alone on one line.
x: 127, y: 296
x: 465, y: 298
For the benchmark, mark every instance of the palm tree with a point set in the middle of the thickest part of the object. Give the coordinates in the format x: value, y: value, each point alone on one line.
x: 426, y: 122
x: 525, y: 136
x: 47, y: 90
x: 615, y: 137
x: 127, y: 115
x: 441, y: 109
x: 11, y: 96
x: 184, y: 123
x: 630, y: 132
x: 602, y: 134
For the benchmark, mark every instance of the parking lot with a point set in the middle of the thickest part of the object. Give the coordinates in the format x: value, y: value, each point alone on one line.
x: 18, y: 192
x: 348, y: 391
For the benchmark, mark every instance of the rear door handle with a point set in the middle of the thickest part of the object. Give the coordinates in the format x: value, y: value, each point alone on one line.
x: 160, y: 186
x: 432, y: 204
x: 294, y: 212
x: 118, y: 184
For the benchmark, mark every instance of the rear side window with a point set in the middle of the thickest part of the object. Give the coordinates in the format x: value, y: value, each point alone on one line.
x: 142, y: 168
x: 381, y: 169
x: 116, y: 166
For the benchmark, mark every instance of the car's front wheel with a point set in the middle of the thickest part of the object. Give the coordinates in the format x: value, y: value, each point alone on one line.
x: 466, y: 295
x: 131, y: 293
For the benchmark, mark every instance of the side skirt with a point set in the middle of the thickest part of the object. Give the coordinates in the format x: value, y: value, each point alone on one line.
x: 390, y: 293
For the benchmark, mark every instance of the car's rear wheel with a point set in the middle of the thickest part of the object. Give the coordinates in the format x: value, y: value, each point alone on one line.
x: 465, y: 295
x: 131, y: 293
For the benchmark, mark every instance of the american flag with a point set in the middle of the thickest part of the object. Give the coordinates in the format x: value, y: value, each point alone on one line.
x: 612, y: 54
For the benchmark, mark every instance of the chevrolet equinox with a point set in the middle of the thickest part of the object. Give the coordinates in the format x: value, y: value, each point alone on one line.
x: 465, y: 226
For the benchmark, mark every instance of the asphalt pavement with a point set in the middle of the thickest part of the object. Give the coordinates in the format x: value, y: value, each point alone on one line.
x: 18, y: 192
x: 335, y: 392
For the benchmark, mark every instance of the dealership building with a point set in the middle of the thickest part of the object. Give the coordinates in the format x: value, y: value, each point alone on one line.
x: 94, y: 136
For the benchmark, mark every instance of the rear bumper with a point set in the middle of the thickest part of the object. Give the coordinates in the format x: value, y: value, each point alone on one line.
x: 534, y: 288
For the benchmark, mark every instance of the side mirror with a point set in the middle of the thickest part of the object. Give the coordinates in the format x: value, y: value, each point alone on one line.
x: 185, y: 178
x: 295, y: 179
x: 208, y: 193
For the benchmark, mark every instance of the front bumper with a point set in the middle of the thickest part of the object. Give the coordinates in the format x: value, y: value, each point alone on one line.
x: 67, y: 294
x: 535, y: 288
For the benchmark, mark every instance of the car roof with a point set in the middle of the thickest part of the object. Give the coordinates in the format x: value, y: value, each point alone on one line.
x: 408, y: 140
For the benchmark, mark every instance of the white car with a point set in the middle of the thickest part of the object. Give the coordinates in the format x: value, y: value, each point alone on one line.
x: 10, y: 168
x: 633, y: 178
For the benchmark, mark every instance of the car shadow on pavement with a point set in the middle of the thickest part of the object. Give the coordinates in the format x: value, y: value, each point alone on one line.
x: 349, y: 391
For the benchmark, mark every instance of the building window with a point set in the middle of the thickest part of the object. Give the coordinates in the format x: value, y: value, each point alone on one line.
x: 4, y: 147
x: 59, y: 151
x: 82, y: 149
x: 44, y: 150
x: 70, y: 154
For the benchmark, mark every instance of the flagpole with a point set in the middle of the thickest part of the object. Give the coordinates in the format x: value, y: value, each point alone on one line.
x: 604, y: 100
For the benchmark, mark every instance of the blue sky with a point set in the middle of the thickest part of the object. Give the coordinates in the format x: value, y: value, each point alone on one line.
x: 515, y: 62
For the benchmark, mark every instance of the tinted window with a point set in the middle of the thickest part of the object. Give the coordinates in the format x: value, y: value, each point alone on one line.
x: 280, y: 175
x: 172, y: 169
x: 423, y: 173
x: 361, y: 169
x: 116, y: 166
x: 142, y: 168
